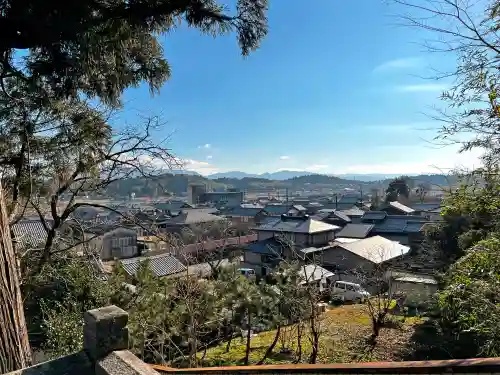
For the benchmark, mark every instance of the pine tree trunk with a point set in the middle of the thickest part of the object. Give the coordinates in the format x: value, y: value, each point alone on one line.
x: 271, y: 347
x: 15, y: 352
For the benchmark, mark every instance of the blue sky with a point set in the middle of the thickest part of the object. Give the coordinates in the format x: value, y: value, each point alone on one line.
x: 335, y: 88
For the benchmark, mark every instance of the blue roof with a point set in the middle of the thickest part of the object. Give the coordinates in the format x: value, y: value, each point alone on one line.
x: 400, y: 224
x: 271, y: 246
x: 374, y: 215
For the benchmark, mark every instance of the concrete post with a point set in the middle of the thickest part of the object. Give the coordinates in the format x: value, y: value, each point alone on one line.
x: 105, y: 331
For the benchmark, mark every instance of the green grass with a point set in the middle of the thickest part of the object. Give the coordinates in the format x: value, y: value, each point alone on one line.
x: 344, y: 331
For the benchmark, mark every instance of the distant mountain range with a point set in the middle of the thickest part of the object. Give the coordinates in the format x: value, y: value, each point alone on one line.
x: 177, y: 182
x: 279, y: 176
x: 285, y: 175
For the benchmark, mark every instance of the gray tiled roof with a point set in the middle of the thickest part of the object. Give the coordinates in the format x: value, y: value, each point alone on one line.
x: 194, y: 216
x: 353, y: 211
x: 331, y: 214
x: 30, y: 234
x: 160, y: 265
x: 341, y: 215
x: 355, y: 231
x: 338, y: 206
x: 374, y: 215
x: 241, y: 211
x: 277, y: 209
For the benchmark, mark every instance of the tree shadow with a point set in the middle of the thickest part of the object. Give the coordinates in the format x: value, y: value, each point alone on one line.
x: 431, y: 342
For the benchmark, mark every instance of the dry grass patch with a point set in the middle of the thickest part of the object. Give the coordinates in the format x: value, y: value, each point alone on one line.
x: 344, y: 331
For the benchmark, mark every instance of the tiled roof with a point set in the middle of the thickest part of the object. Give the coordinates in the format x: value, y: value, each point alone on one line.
x: 30, y: 234
x: 353, y: 211
x: 375, y: 249
x: 172, y: 206
x: 340, y: 215
x: 194, y: 216
x: 331, y: 214
x: 338, y: 206
x: 296, y: 225
x: 374, y: 215
x: 299, y: 207
x: 241, y: 211
x: 205, y: 269
x: 425, y: 206
x: 160, y: 265
x: 349, y: 199
x: 355, y: 230
x: 400, y: 224
x: 401, y: 207
x: 277, y: 209
x: 314, y: 204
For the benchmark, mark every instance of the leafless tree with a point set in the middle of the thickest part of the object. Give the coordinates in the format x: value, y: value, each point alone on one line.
x: 469, y: 30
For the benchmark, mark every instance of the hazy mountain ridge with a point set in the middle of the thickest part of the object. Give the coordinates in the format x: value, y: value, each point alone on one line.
x: 178, y: 182
x: 286, y: 175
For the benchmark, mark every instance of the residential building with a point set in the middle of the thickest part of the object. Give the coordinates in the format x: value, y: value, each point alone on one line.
x: 314, y: 207
x: 398, y: 208
x: 297, y: 210
x: 358, y: 257
x: 28, y: 235
x: 432, y: 211
x: 244, y: 213
x: 190, y: 217
x: 405, y: 229
x: 356, y: 231
x: 282, y: 238
x: 223, y: 198
x: 332, y: 216
x: 160, y: 265
x: 277, y: 209
x: 197, y: 193
x: 172, y: 207
x: 112, y: 242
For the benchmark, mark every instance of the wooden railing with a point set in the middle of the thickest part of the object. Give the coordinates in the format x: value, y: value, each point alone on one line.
x: 489, y: 366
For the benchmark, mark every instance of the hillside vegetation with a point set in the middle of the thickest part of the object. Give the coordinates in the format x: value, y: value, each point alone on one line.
x: 178, y: 183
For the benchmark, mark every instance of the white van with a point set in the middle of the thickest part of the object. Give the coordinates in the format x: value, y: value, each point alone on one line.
x: 347, y: 291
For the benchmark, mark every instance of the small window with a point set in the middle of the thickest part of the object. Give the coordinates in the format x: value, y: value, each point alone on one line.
x: 350, y: 288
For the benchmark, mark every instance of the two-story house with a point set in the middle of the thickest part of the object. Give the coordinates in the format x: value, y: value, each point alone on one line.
x: 405, y: 229
x: 245, y: 213
x: 283, y: 238
x: 113, y: 243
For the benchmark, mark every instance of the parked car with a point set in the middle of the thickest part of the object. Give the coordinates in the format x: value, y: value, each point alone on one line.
x: 247, y: 272
x: 350, y: 292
